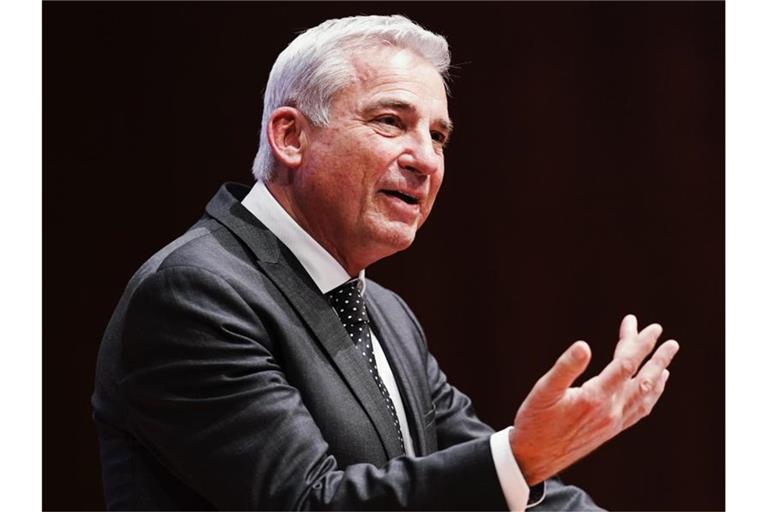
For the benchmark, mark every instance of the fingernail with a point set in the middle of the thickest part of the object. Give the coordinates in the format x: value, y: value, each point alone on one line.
x: 664, y: 375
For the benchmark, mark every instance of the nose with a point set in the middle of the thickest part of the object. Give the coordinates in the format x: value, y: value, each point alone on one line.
x: 420, y: 155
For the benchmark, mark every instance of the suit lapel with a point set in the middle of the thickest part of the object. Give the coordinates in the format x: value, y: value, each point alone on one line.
x: 404, y: 370
x: 279, y: 264
x: 326, y: 326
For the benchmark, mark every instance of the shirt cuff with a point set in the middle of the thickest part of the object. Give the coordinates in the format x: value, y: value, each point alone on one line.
x: 511, y: 480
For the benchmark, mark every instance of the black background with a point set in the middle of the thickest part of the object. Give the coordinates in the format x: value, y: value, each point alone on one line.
x: 585, y: 180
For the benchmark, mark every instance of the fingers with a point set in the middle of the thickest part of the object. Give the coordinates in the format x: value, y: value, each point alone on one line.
x: 639, y: 346
x: 642, y: 407
x: 627, y: 358
x: 627, y: 331
x: 572, y: 363
x: 649, y: 384
x: 653, y: 371
x: 628, y: 327
x: 662, y: 382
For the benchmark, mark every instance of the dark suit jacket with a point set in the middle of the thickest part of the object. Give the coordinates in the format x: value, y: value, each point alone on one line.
x: 225, y: 380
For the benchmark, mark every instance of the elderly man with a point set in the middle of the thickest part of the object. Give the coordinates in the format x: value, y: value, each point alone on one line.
x: 251, y: 365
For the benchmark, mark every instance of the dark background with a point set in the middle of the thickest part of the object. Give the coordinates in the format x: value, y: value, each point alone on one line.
x: 585, y: 181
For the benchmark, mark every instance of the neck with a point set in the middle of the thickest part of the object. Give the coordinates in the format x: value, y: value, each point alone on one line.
x: 282, y: 192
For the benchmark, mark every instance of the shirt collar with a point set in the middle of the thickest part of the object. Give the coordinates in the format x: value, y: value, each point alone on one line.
x: 325, y: 271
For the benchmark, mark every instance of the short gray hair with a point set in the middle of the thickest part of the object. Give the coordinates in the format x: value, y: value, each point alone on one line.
x: 317, y: 64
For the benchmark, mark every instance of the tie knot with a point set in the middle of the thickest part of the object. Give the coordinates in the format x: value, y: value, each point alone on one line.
x: 348, y: 303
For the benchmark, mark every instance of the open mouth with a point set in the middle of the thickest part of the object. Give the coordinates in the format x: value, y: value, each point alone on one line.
x: 403, y: 197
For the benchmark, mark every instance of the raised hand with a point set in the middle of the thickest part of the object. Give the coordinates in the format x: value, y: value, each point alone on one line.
x: 558, y: 424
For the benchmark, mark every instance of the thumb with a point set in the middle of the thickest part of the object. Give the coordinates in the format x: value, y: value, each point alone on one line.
x: 572, y: 363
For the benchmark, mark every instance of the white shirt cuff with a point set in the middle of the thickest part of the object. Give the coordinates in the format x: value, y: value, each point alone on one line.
x: 511, y: 480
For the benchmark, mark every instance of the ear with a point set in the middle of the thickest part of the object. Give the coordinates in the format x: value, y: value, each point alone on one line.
x: 286, y: 131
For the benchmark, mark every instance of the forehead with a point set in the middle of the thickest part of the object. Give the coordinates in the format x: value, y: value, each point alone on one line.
x: 387, y: 74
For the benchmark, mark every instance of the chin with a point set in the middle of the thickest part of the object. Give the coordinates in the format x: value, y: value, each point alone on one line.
x: 397, y: 238
x: 389, y: 239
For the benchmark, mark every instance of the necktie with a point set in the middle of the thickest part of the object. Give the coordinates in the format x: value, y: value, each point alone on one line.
x: 348, y: 303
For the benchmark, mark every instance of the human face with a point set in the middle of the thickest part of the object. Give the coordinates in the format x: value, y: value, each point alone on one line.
x: 369, y: 179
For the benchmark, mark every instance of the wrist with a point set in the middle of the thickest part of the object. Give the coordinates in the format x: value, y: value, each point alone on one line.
x: 524, y: 457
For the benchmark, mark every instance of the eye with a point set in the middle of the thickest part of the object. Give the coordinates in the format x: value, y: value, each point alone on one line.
x: 390, y: 120
x: 439, y: 137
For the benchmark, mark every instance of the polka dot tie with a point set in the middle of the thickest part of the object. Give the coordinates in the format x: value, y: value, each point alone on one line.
x: 350, y: 306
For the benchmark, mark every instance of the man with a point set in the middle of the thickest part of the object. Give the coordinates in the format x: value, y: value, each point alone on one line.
x: 251, y: 365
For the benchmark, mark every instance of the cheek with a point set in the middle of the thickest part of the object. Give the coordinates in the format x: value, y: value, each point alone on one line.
x: 362, y: 163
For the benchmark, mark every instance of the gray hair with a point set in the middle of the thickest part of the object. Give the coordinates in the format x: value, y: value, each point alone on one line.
x: 317, y: 64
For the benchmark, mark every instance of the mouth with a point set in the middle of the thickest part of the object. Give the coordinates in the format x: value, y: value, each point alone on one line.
x: 402, y: 196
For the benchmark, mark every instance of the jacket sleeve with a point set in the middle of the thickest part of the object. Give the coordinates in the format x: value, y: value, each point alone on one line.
x: 455, y: 418
x: 457, y: 423
x: 206, y: 394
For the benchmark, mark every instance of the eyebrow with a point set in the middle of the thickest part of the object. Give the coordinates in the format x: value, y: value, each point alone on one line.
x: 400, y: 105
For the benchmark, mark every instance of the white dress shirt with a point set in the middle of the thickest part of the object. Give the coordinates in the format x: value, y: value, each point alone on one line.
x: 327, y: 274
